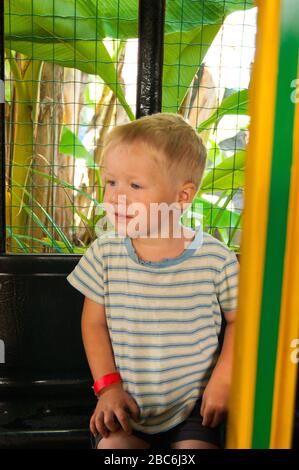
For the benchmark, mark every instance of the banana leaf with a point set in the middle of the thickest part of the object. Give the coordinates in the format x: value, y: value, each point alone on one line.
x: 183, y: 54
x: 70, y: 144
x: 228, y: 174
x: 94, y: 19
x: 70, y: 33
x: 237, y: 103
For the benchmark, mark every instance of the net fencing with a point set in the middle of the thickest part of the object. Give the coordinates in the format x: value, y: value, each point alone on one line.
x: 71, y: 76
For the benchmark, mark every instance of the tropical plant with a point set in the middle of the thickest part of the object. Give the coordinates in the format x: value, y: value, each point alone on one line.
x: 74, y: 36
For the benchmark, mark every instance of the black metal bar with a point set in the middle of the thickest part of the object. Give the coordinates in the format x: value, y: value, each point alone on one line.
x: 150, y: 57
x: 18, y: 264
x: 2, y: 135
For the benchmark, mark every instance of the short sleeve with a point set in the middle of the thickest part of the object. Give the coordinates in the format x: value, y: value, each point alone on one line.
x: 227, y: 283
x: 87, y: 277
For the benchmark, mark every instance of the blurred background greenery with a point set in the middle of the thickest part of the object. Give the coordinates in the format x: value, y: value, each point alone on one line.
x: 70, y: 76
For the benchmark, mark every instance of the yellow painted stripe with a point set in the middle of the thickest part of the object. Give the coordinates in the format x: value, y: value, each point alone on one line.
x: 257, y: 180
x: 286, y: 369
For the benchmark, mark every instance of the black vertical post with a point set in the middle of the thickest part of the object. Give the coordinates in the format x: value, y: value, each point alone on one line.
x: 150, y: 57
x: 2, y: 134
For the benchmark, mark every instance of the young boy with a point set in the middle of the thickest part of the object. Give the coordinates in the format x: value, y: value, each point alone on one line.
x: 152, y: 311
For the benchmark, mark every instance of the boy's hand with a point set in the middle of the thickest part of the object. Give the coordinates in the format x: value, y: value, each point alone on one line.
x: 215, y: 401
x: 110, y: 413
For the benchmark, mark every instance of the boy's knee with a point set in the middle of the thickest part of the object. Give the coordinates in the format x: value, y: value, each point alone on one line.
x: 113, y: 439
x: 121, y: 440
x: 106, y: 443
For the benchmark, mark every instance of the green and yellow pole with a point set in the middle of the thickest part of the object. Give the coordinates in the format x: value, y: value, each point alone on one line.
x: 285, y: 374
x: 268, y: 303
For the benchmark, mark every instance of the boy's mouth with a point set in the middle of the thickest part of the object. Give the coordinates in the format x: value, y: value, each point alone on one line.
x: 123, y: 216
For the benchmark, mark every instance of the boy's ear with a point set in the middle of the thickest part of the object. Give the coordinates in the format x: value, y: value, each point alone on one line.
x: 187, y: 193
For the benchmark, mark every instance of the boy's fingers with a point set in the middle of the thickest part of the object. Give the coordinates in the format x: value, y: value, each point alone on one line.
x: 207, y: 417
x: 133, y: 408
x: 218, y: 417
x: 215, y: 420
x: 110, y: 422
x: 117, y: 423
x: 202, y: 408
x: 100, y: 425
x: 123, y: 420
x: 92, y: 427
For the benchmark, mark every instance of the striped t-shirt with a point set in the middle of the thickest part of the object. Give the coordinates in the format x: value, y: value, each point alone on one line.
x: 164, y: 319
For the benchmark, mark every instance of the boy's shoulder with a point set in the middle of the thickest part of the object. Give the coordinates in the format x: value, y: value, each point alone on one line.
x: 106, y: 239
x: 108, y: 235
x: 213, y: 245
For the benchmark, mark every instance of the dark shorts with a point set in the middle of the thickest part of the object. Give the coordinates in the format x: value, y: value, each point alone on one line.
x: 191, y: 428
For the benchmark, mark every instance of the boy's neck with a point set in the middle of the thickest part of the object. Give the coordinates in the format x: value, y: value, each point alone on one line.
x: 155, y: 249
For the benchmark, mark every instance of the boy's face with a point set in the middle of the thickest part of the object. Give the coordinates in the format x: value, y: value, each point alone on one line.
x: 134, y: 186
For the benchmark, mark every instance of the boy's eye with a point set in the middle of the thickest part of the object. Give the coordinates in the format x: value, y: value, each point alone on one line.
x: 136, y: 186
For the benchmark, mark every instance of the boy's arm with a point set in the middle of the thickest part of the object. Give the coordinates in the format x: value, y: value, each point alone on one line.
x: 223, y: 366
x: 216, y: 394
x: 111, y: 411
x: 96, y: 340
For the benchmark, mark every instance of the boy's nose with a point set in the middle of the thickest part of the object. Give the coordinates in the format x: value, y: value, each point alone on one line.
x: 119, y: 201
x: 118, y: 197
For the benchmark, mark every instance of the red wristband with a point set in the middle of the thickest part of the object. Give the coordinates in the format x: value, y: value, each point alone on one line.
x: 106, y: 380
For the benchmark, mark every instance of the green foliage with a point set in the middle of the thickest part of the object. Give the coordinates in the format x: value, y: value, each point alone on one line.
x: 229, y: 174
x: 73, y: 34
x: 183, y: 54
x: 94, y: 19
x: 237, y: 103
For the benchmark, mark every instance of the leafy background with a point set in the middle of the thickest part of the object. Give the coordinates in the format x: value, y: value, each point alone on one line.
x: 65, y: 80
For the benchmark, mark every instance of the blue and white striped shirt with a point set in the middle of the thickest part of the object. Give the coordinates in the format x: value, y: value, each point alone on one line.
x: 164, y: 319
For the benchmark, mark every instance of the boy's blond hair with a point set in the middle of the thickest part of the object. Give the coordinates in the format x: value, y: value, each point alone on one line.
x: 167, y: 133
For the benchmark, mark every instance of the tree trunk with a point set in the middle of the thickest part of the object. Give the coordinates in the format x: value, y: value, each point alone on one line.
x: 201, y: 100
x: 46, y: 156
x: 73, y: 93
